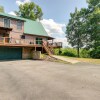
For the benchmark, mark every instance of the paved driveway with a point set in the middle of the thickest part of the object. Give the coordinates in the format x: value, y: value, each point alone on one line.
x: 41, y: 80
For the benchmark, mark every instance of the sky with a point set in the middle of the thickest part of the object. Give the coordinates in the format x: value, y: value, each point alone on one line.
x: 56, y: 14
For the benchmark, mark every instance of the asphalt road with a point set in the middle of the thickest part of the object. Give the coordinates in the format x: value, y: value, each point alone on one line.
x: 41, y: 80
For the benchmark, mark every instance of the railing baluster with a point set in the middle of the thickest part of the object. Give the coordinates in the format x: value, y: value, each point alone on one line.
x: 4, y: 40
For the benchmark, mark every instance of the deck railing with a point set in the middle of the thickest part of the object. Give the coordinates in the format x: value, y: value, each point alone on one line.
x: 7, y: 40
x: 55, y: 44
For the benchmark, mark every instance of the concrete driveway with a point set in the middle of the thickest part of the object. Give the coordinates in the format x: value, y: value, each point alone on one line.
x: 41, y: 80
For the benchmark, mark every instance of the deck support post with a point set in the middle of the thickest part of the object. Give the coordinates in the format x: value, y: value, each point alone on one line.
x: 4, y: 40
x: 42, y: 49
x: 35, y: 48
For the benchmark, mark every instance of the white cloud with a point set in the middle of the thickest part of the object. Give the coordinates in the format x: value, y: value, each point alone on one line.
x: 63, y: 40
x: 52, y: 27
x: 56, y: 30
x: 12, y: 13
x: 18, y: 2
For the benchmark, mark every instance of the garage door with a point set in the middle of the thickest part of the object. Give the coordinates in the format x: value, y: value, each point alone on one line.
x: 10, y: 53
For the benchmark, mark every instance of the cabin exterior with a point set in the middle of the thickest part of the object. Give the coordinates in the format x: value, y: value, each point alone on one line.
x: 19, y: 37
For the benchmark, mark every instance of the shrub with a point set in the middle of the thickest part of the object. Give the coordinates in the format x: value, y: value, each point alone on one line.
x: 95, y: 53
x: 67, y: 53
x: 84, y: 53
x: 56, y: 51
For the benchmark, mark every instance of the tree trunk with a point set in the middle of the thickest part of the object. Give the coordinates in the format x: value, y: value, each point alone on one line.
x: 78, y: 52
x: 78, y: 49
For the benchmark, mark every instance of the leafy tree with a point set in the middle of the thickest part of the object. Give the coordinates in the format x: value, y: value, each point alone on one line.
x: 30, y: 11
x: 2, y: 9
x: 83, y: 29
x: 74, y: 31
x: 93, y: 23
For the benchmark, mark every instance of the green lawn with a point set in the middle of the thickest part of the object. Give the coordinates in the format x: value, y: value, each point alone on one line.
x: 89, y: 60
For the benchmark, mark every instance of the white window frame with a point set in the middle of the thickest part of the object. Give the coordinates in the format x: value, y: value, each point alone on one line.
x: 4, y: 22
x: 19, y: 27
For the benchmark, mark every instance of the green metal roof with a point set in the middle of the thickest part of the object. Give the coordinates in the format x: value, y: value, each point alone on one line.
x: 11, y: 16
x: 34, y: 28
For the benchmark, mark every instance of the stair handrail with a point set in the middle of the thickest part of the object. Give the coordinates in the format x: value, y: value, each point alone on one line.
x: 46, y: 47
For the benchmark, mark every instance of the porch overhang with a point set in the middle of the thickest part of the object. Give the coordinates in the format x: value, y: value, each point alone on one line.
x: 49, y: 38
x: 5, y: 28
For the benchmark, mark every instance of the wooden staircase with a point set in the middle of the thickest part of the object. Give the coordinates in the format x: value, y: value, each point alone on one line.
x: 48, y: 49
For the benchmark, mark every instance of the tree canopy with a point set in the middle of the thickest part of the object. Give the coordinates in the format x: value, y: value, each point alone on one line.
x: 30, y: 11
x: 83, y: 29
x: 74, y: 31
x: 1, y: 9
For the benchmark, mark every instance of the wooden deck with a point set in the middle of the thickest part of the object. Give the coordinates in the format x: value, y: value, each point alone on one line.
x: 20, y: 45
x: 11, y: 42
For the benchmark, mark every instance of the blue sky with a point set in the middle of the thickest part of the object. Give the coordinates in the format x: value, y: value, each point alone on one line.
x: 56, y: 13
x: 59, y: 10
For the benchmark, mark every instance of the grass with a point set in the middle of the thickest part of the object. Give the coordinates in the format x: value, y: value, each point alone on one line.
x: 88, y: 60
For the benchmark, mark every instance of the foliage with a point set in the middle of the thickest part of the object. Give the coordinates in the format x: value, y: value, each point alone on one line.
x: 56, y: 51
x: 66, y: 52
x: 93, y: 24
x: 95, y: 53
x: 85, y: 53
x: 2, y: 9
x: 74, y: 31
x: 83, y: 29
x: 72, y: 52
x: 30, y: 11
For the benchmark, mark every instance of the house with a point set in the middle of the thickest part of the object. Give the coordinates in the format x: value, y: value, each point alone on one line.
x: 19, y: 37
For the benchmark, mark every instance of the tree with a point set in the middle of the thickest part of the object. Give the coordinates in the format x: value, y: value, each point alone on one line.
x: 30, y: 11
x: 2, y: 9
x: 83, y: 29
x: 74, y: 31
x: 93, y: 23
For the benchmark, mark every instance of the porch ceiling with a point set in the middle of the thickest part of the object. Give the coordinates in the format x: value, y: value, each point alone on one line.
x: 5, y: 28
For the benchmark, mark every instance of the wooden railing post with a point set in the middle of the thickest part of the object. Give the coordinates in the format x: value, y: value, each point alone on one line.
x: 4, y: 40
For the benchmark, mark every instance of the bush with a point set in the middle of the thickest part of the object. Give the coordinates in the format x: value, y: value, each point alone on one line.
x: 66, y: 52
x: 56, y: 51
x: 69, y: 52
x: 72, y: 52
x: 95, y: 53
x: 84, y: 53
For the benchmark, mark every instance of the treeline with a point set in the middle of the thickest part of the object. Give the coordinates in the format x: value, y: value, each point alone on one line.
x: 83, y: 29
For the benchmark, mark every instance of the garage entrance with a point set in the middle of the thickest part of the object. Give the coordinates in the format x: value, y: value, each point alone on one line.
x: 7, y: 53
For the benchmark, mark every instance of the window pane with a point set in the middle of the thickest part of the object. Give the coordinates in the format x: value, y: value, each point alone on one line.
x: 38, y: 40
x: 7, y: 23
x: 19, y: 25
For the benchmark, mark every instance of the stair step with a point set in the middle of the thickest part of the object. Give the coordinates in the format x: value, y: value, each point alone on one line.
x: 47, y: 49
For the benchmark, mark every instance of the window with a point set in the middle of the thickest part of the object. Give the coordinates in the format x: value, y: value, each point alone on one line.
x: 38, y: 40
x: 22, y: 36
x: 6, y: 22
x: 19, y: 25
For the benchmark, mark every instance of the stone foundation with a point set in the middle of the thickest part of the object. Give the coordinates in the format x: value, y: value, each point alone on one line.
x: 36, y: 55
